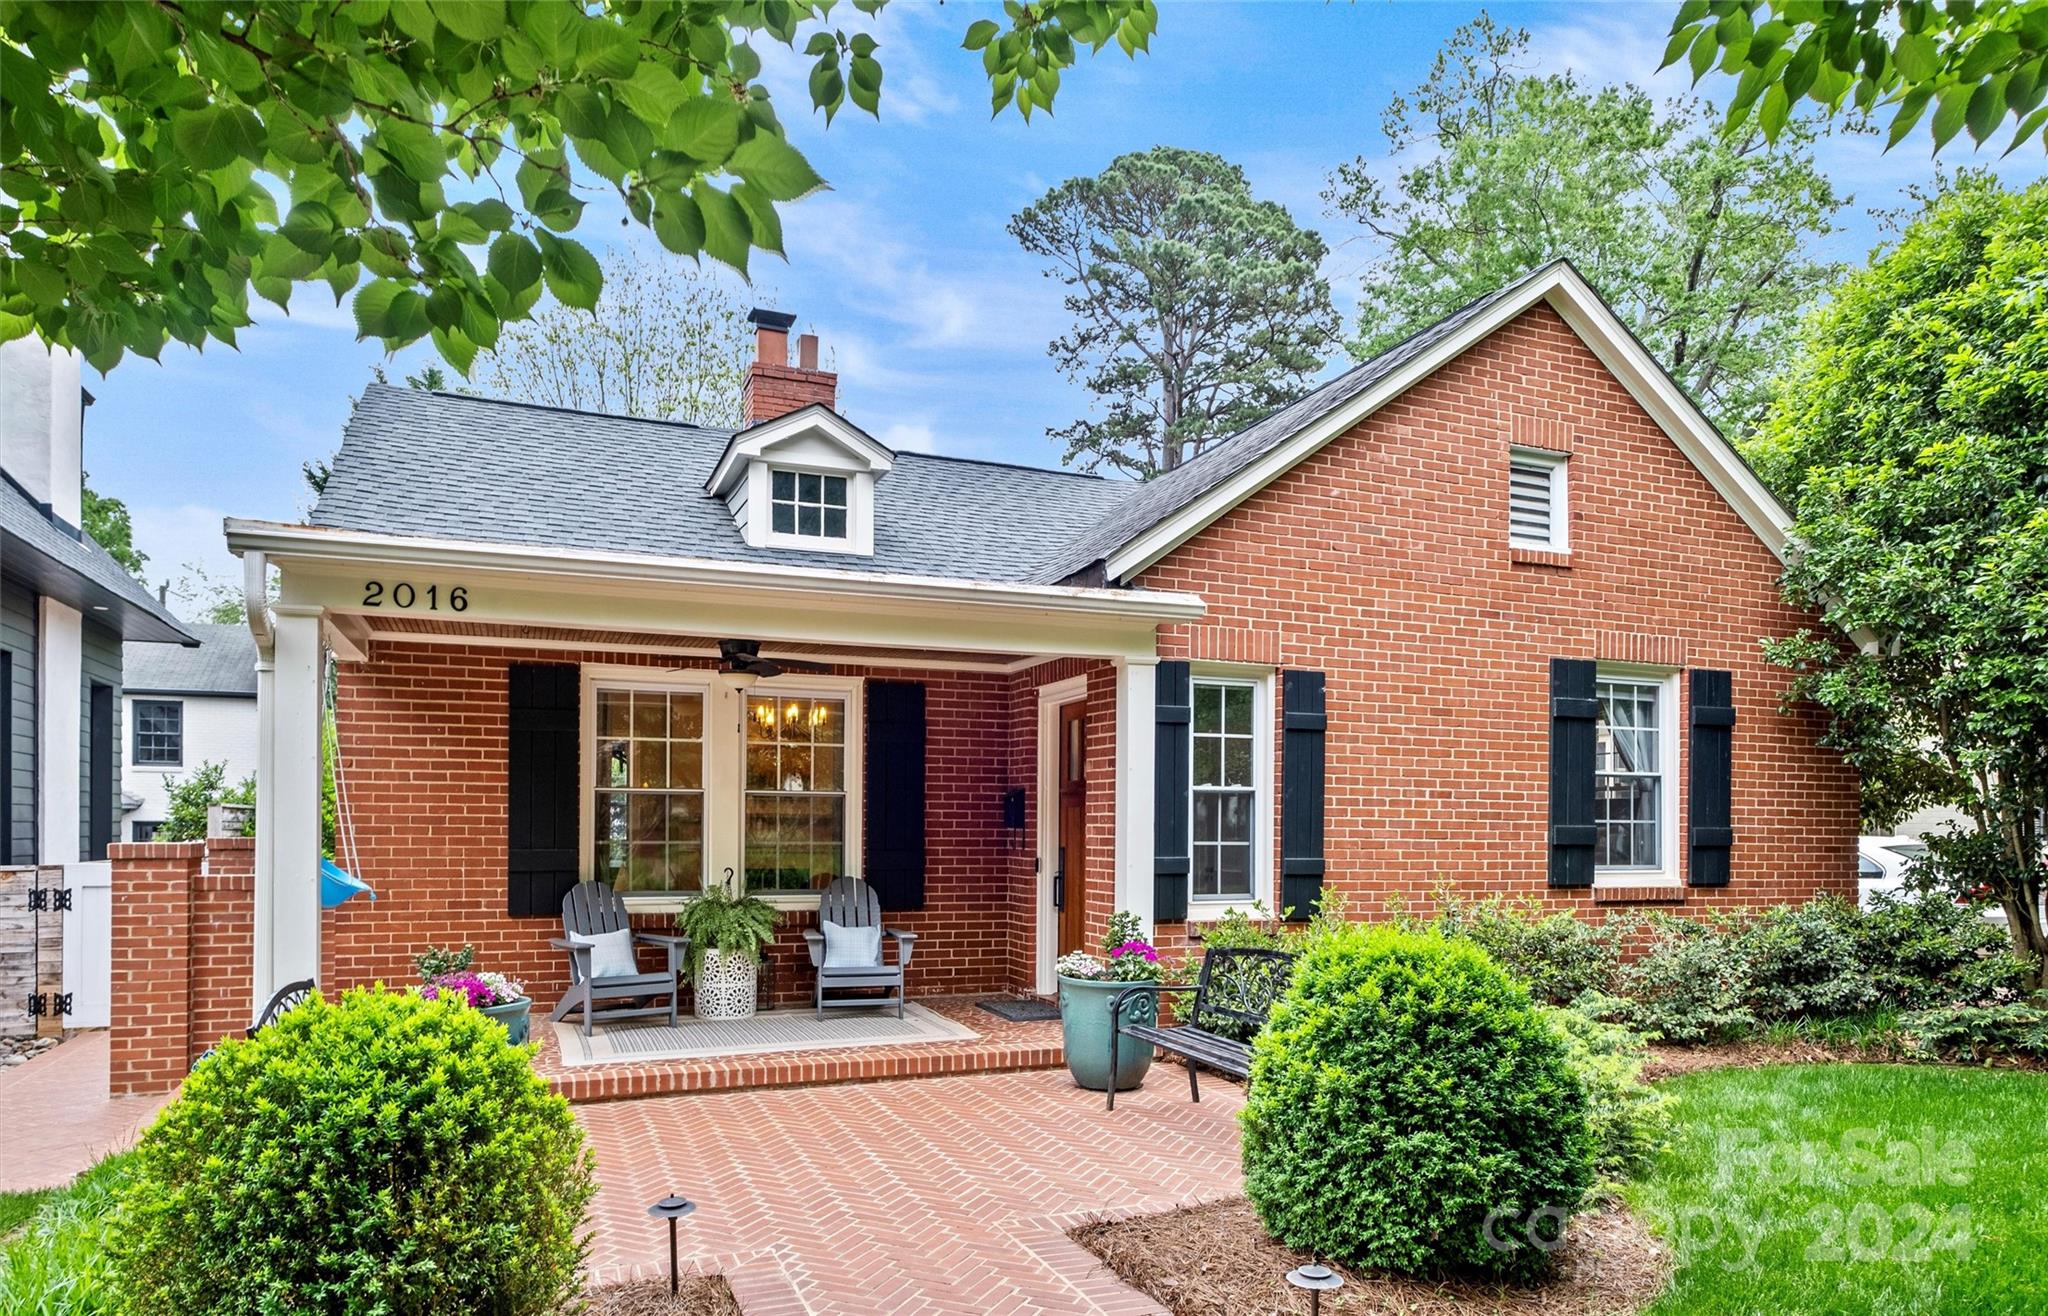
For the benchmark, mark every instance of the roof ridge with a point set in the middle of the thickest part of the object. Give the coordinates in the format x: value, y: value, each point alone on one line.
x: 1013, y: 466
x: 712, y: 430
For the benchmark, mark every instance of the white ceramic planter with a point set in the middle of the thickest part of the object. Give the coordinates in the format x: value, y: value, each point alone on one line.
x: 725, y: 985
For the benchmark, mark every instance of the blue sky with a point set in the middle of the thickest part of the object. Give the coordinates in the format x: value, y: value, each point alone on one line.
x: 935, y: 320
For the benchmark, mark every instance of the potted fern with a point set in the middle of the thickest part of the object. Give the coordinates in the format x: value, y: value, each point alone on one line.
x: 727, y: 935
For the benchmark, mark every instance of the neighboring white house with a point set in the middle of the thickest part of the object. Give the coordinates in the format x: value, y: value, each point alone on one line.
x: 67, y: 609
x: 184, y: 708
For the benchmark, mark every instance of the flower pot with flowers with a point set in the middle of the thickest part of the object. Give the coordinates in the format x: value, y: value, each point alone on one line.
x: 1088, y: 986
x: 503, y: 999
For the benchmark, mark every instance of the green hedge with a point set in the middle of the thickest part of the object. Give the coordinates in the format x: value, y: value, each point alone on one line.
x: 1405, y: 1093
x: 383, y: 1154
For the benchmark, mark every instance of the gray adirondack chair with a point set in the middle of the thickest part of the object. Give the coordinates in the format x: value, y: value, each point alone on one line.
x: 591, y: 908
x: 852, y: 903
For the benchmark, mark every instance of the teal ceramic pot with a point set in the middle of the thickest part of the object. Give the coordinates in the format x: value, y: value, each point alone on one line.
x: 1084, y: 1028
x: 512, y: 1014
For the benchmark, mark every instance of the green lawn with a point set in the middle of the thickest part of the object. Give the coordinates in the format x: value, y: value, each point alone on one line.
x: 52, y: 1257
x: 1854, y: 1188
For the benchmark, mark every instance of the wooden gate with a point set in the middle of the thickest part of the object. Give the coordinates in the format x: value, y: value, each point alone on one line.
x: 33, y: 903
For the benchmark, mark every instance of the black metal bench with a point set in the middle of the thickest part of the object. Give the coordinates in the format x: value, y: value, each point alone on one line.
x: 1234, y: 993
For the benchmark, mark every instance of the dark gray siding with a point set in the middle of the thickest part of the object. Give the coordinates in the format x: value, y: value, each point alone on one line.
x: 18, y: 741
x: 100, y: 650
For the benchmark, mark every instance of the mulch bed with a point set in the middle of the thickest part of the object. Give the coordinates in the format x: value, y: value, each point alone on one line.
x: 1217, y: 1260
x: 701, y: 1295
x: 1671, y: 1061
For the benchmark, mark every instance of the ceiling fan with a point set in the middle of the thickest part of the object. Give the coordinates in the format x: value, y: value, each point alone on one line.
x: 743, y: 658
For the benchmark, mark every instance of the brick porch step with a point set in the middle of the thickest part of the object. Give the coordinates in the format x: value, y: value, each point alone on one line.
x: 1000, y: 1045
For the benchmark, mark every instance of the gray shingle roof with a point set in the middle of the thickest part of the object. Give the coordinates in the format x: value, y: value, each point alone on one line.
x: 223, y: 664
x: 1159, y: 498
x: 79, y: 570
x: 449, y: 466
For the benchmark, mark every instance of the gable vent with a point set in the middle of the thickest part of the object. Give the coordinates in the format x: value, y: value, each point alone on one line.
x: 1536, y: 502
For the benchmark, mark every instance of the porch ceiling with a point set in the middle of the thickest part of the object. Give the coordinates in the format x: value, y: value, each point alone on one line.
x: 425, y: 630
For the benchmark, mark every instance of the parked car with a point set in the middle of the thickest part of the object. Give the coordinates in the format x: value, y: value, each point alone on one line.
x: 1881, y: 863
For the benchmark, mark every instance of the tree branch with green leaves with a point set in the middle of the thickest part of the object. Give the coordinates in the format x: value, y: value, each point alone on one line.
x: 1978, y: 64
x: 163, y: 159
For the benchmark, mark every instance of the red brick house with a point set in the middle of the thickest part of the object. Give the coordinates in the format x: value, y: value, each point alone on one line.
x: 1482, y: 613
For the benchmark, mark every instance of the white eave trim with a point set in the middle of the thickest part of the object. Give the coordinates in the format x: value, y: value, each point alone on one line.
x: 815, y: 418
x: 281, y: 543
x: 1581, y: 308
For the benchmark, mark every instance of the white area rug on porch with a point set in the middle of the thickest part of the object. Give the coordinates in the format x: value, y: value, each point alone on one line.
x: 773, y: 1030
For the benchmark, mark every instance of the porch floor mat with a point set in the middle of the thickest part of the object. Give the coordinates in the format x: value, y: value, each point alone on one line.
x: 1020, y: 1011
x: 771, y: 1030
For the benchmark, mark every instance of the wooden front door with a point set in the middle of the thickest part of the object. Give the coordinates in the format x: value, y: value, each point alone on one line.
x: 1069, y: 881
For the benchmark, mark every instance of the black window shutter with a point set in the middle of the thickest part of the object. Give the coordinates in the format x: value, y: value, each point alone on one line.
x: 1573, y: 711
x: 543, y: 776
x: 1713, y: 762
x: 1172, y: 714
x: 893, y: 792
x: 1303, y: 723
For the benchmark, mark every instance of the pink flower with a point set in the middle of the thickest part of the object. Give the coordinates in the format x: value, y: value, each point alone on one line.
x: 1143, y: 948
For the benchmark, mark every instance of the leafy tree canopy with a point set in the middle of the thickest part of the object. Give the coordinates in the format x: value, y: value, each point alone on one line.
x: 665, y: 342
x: 1696, y: 237
x: 106, y: 520
x: 158, y: 160
x: 1912, y: 442
x: 1198, y: 308
x: 1977, y: 63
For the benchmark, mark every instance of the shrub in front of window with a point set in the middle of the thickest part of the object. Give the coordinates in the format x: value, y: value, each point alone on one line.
x: 1804, y: 962
x: 1691, y: 984
x: 1405, y: 1092
x: 1559, y: 955
x: 383, y: 1153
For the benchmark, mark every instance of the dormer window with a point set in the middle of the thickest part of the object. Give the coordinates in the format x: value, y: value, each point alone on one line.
x: 803, y: 481
x: 808, y: 505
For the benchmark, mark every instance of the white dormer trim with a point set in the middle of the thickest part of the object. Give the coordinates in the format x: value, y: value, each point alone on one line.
x: 811, y: 441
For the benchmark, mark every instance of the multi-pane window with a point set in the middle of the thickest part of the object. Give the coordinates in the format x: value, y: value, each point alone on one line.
x: 1223, y: 789
x: 1628, y: 774
x: 794, y: 831
x: 649, y: 818
x: 1536, y: 500
x: 159, y: 732
x: 807, y: 505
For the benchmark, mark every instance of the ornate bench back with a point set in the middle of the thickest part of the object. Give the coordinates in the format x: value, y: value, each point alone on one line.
x: 1237, y: 989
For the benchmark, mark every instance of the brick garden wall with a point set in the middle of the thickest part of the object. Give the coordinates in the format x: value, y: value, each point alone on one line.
x: 183, y: 916
x: 1383, y: 561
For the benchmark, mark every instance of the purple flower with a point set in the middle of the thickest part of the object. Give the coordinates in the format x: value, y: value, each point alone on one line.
x: 1135, y: 947
x: 471, y: 987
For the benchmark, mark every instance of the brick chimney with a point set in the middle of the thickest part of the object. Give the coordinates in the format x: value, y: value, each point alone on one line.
x: 774, y: 387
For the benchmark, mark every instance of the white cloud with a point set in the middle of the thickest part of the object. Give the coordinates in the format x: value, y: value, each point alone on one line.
x: 910, y: 436
x: 981, y: 306
x: 180, y: 536
x: 1622, y: 44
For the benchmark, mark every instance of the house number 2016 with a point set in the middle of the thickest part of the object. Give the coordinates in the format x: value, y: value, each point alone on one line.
x: 403, y: 594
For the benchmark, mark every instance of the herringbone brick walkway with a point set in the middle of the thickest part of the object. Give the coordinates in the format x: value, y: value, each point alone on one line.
x: 922, y: 1197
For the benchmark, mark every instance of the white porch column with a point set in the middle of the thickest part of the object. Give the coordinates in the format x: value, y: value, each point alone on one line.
x: 1136, y: 696
x: 60, y: 732
x: 288, y: 795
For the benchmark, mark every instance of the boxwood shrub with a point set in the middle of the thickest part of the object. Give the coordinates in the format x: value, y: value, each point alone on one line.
x: 380, y: 1154
x: 1404, y: 1093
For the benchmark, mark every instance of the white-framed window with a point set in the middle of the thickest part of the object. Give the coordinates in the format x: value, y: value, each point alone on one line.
x: 691, y: 779
x: 159, y: 733
x: 1537, y: 502
x: 1224, y: 789
x: 1635, y: 775
x: 647, y: 805
x: 794, y: 834
x: 807, y: 505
